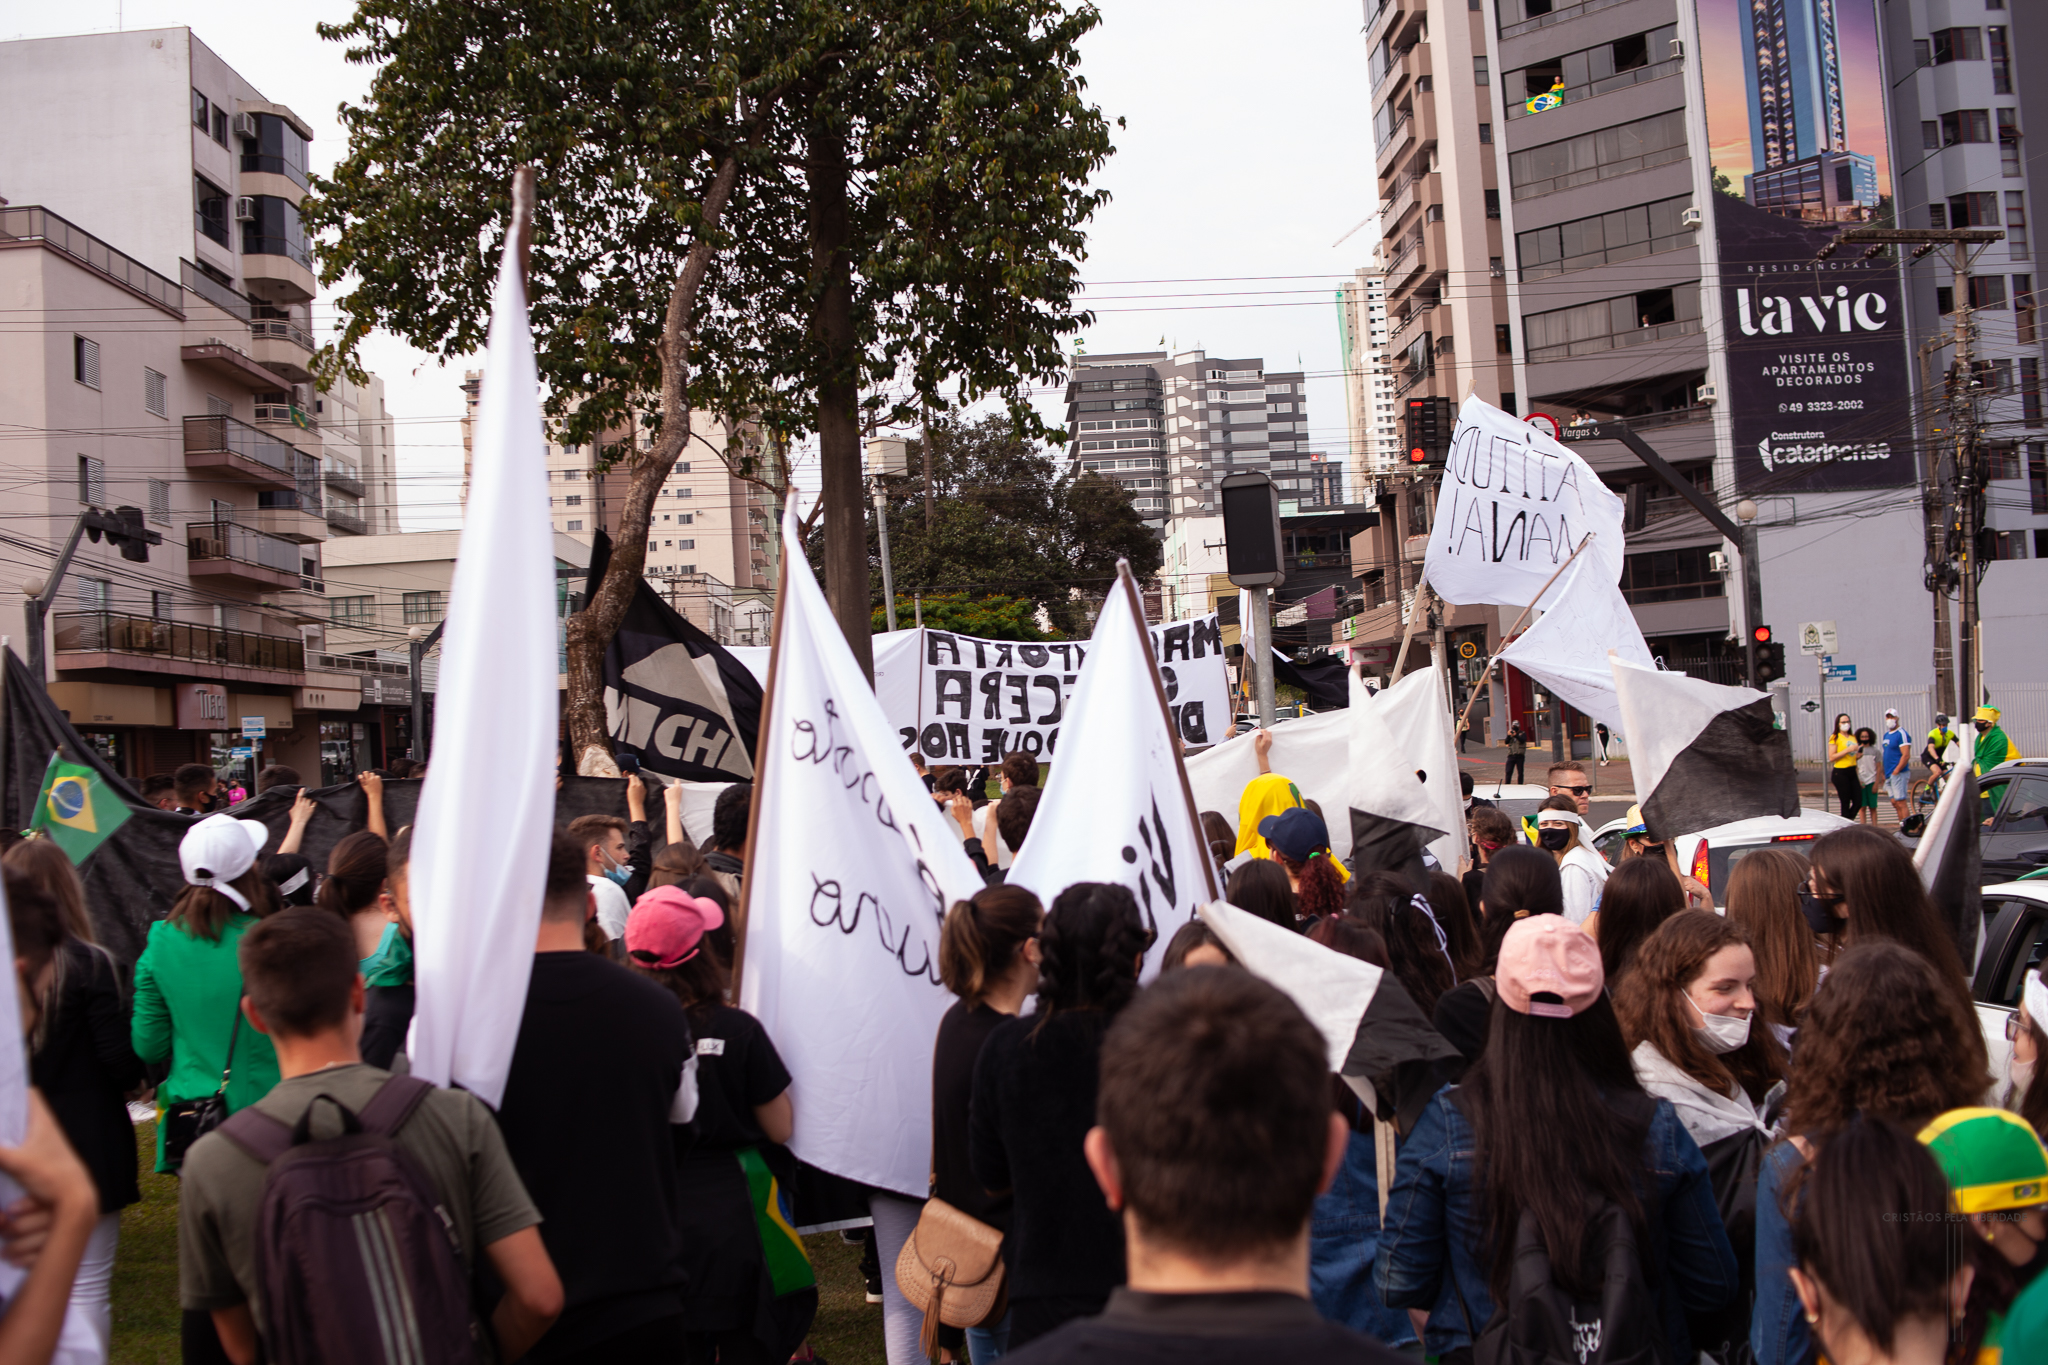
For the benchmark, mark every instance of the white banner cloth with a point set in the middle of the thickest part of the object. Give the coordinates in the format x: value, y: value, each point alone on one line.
x: 1566, y: 650
x: 1313, y: 751
x: 1114, y: 809
x: 479, y: 864
x: 1512, y: 504
x: 1404, y: 758
x: 850, y: 870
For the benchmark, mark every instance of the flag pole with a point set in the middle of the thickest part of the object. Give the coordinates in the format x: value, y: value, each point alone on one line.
x: 761, y: 737
x: 1187, y: 792
x: 1469, y: 701
x: 1417, y: 612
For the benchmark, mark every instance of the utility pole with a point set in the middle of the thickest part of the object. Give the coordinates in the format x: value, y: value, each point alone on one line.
x: 1933, y: 505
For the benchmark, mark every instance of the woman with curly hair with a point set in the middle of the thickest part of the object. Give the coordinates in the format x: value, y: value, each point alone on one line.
x: 1299, y: 842
x: 1034, y: 1102
x: 1884, y: 1037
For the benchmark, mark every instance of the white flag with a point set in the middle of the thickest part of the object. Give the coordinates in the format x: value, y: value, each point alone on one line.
x: 1404, y: 759
x: 1117, y: 808
x: 1310, y: 751
x: 1512, y: 504
x: 487, y: 814
x: 850, y: 868
x: 1567, y: 649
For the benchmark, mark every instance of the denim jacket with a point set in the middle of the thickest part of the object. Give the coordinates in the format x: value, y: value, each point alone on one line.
x: 1777, y: 1324
x: 1434, y: 1216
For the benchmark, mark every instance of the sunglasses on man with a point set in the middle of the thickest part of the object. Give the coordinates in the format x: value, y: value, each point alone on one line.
x: 1575, y: 791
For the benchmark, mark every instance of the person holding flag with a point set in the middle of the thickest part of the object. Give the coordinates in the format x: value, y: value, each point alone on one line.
x: 1993, y: 747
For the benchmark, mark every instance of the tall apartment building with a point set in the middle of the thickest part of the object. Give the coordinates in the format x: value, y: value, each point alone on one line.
x: 711, y: 547
x: 1168, y: 427
x: 1370, y: 413
x: 1961, y: 96
x: 151, y: 227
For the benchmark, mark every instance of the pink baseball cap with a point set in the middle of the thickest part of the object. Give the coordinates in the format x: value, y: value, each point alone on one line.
x: 668, y: 925
x: 1548, y: 955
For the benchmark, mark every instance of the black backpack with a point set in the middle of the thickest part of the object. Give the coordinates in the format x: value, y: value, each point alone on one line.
x: 356, y: 1255
x: 1540, y: 1324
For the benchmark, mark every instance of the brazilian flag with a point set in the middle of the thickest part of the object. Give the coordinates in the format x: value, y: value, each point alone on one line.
x: 76, y: 810
x: 789, y: 1265
x: 299, y: 418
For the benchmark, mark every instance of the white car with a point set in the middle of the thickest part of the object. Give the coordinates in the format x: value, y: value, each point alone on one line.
x: 1711, y: 854
x: 2015, y: 930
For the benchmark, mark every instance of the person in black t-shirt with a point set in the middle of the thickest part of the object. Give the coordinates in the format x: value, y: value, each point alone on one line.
x: 733, y: 1314
x: 988, y: 956
x: 1216, y: 1135
x: 603, y: 1067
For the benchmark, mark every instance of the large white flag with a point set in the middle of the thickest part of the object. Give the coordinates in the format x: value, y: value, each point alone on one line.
x: 1311, y: 752
x: 1404, y: 763
x: 1116, y: 807
x: 850, y: 868
x: 1567, y: 649
x: 480, y: 853
x: 1512, y: 504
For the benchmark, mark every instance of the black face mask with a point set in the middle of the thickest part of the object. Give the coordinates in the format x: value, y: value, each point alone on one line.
x: 1555, y: 840
x: 1820, y: 913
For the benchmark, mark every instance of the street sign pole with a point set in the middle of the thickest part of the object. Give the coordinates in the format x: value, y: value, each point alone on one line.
x: 1826, y: 725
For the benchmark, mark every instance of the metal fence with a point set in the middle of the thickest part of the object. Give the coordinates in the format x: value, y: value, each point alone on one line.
x: 2024, y: 707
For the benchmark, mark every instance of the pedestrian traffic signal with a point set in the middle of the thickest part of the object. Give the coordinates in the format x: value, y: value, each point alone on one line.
x: 1428, y: 432
x: 1770, y: 655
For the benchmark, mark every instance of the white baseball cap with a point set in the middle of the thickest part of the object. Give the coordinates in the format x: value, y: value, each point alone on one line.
x: 219, y: 849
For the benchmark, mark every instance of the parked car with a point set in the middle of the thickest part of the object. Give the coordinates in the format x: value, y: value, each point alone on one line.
x: 2015, y: 930
x: 2013, y: 808
x: 1517, y: 800
x: 1711, y: 854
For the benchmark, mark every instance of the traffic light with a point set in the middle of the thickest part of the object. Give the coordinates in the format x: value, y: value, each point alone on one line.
x: 1770, y: 655
x: 1428, y: 424
x: 123, y: 529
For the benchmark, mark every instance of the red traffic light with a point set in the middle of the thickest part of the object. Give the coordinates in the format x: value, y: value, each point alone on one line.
x: 1762, y: 634
x: 1417, y: 455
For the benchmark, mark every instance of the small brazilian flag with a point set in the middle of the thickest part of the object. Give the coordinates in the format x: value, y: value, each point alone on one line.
x: 299, y: 418
x: 76, y: 810
x: 789, y: 1265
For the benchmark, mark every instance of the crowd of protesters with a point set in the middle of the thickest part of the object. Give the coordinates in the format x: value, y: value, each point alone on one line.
x: 1769, y: 1131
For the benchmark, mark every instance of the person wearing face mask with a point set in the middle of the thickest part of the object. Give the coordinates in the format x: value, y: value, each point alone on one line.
x: 1993, y: 748
x: 1562, y: 833
x: 1997, y: 1175
x: 1688, y: 1010
x: 1896, y: 763
x: 1842, y: 754
x: 2029, y: 1042
x: 603, y: 841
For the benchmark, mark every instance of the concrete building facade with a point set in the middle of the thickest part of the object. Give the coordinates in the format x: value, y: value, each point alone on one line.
x: 1371, y: 417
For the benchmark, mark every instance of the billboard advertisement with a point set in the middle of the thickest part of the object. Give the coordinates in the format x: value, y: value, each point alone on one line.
x: 1816, y: 350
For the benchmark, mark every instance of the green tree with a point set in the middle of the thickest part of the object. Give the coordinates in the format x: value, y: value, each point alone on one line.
x: 758, y: 208
x: 991, y: 618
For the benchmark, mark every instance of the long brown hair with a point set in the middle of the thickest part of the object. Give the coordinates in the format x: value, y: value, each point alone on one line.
x: 1883, y: 898
x: 1650, y: 1009
x: 1883, y: 1036
x: 981, y: 936
x: 675, y: 864
x: 356, y: 870
x: 49, y: 868
x: 1639, y: 896
x: 1454, y: 916
x: 1763, y: 897
x: 204, y: 912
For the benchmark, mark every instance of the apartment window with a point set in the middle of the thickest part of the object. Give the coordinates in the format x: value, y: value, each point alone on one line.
x: 2001, y: 61
x: 682, y: 467
x: 210, y: 209
x: 573, y: 500
x: 686, y: 545
x: 220, y: 125
x: 1604, y: 239
x: 575, y: 526
x: 159, y: 501
x: 425, y: 608
x: 1493, y: 203
x: 199, y: 111
x: 1609, y: 152
x: 1479, y: 71
x: 1965, y: 125
x: 276, y: 230
x: 1987, y: 291
x: 92, y: 481
x: 1670, y: 576
x: 1937, y: 216
x: 2001, y: 382
x: 2023, y: 308
x: 2008, y: 544
x: 2016, y: 225
x: 2030, y: 391
x: 85, y: 361
x: 154, y: 397
x: 1973, y: 210
x: 2009, y: 140
x: 277, y: 149
x: 2037, y: 479
x: 1630, y: 320
x: 686, y: 518
x: 1611, y: 66
x: 1486, y: 132
x: 683, y: 492
x: 1930, y: 136
x: 349, y: 611
x: 1507, y: 403
x: 1958, y: 45
x: 1503, y: 339
x: 95, y: 594
x: 160, y: 604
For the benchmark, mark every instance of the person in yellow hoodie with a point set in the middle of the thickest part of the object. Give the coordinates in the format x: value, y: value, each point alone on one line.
x: 1993, y: 747
x: 1268, y: 794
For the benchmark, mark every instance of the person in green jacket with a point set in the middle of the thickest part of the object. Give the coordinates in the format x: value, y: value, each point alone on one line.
x: 188, y: 982
x: 1993, y: 748
x: 1997, y: 1174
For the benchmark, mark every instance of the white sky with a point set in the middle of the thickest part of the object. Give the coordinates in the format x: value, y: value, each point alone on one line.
x: 1246, y: 154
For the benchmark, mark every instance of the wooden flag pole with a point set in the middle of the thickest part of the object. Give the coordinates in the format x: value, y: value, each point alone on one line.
x: 1416, y: 612
x: 1469, y: 701
x: 521, y: 242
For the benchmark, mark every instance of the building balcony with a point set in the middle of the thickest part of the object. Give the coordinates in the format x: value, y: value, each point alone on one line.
x: 227, y: 448
x: 116, y: 640
x: 343, y: 480
x: 228, y: 361
x: 289, y: 517
x: 30, y: 225
x: 279, y: 269
x: 283, y: 347
x: 347, y: 522
x: 1410, y: 192
x: 226, y: 551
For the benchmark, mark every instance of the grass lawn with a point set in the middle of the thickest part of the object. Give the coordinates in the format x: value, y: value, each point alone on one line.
x: 848, y: 1330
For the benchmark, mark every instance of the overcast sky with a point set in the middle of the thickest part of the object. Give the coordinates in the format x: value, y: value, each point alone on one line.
x: 1245, y: 156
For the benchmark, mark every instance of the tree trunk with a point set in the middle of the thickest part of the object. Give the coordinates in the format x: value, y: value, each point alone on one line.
x: 845, y: 516
x: 589, y: 632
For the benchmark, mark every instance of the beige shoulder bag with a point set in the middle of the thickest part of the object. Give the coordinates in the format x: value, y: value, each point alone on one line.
x: 951, y: 1270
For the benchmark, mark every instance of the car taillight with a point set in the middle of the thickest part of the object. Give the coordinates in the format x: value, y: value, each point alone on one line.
x: 1791, y: 838
x: 1699, y: 863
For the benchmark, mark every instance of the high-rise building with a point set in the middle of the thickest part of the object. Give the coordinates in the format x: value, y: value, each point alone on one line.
x: 1798, y: 115
x: 151, y: 226
x: 1371, y: 415
x: 1168, y: 426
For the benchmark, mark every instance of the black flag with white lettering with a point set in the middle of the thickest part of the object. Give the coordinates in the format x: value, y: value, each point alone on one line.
x: 673, y: 696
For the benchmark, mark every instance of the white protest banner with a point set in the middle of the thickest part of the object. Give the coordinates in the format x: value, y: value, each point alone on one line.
x: 1512, y: 504
x: 1117, y: 806
x: 478, y: 866
x: 1566, y: 650
x: 1312, y: 752
x: 961, y: 699
x: 850, y: 868
x: 1404, y: 759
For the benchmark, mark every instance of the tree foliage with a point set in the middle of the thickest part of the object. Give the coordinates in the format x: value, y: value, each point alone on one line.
x: 991, y: 618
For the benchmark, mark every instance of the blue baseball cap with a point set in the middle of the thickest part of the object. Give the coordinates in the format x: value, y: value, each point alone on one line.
x: 1298, y: 832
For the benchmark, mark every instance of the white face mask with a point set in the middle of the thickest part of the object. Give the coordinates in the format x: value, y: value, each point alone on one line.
x: 1719, y: 1033
x: 2022, y: 1077
x: 1891, y: 725
x: 1843, y: 727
